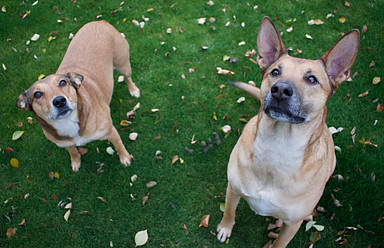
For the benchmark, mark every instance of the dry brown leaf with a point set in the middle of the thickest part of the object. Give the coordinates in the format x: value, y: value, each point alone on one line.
x: 101, y: 199
x: 174, y: 159
x: 204, y: 221
x: 364, y: 29
x: 379, y: 107
x: 363, y: 94
x: 151, y: 184
x: 145, y: 199
x: 372, y: 64
x: 11, y: 232
x: 22, y: 223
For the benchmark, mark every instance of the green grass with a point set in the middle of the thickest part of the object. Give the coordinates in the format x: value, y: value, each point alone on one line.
x: 184, y: 192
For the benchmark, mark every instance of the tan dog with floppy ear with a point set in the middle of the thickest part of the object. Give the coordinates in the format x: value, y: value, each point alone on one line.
x: 72, y: 105
x: 285, y: 155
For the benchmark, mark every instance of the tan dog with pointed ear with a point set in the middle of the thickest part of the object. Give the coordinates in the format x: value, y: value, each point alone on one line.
x: 285, y: 155
x: 72, y: 106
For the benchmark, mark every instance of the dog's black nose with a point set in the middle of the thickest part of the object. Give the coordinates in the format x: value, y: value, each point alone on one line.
x: 281, y: 91
x: 59, y: 102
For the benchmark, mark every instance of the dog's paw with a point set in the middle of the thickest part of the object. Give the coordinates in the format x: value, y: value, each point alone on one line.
x: 134, y: 91
x: 75, y: 166
x: 125, y: 160
x: 223, y: 233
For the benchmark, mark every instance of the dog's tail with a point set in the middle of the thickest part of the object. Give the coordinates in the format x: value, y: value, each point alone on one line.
x: 250, y: 89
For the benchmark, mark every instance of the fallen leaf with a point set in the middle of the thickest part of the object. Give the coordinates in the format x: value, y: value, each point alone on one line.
x: 66, y: 215
x: 8, y: 150
x: 22, y: 223
x: 11, y: 232
x: 120, y: 79
x: 14, y: 163
x: 223, y: 71
x: 329, y: 15
x: 364, y: 29
x: 151, y: 184
x: 376, y: 80
x: 133, y: 178
x: 141, y: 238
x: 226, y: 129
x: 242, y: 43
x: 204, y: 221
x: 241, y: 99
x: 133, y: 136
x: 137, y: 106
x: 308, y: 37
x: 379, y: 107
x: 342, y: 19
x: 363, y: 94
x: 56, y: 175
x: 290, y: 29
x: 101, y: 199
x: 125, y: 123
x: 222, y: 207
x: 110, y: 150
x: 145, y: 199
x: 201, y: 21
x: 17, y: 135
x: 3, y: 9
x: 35, y: 37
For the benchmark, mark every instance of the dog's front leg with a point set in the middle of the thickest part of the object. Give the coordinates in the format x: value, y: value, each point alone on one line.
x: 224, y: 229
x: 75, y: 157
x: 125, y: 157
x: 286, y: 234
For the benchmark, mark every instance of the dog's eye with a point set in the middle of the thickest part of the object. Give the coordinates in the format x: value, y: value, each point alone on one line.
x: 62, y: 83
x: 312, y: 80
x: 275, y: 72
x: 38, y: 94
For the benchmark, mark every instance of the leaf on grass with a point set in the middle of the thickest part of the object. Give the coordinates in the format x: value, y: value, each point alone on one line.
x: 333, y: 130
x: 174, y: 159
x: 133, y: 136
x: 17, y: 135
x: 315, y: 236
x: 376, y: 80
x: 222, y: 207
x: 204, y: 221
x: 35, y: 37
x: 125, y: 123
x: 141, y: 238
x: 133, y: 178
x: 22, y: 223
x: 226, y: 129
x: 201, y: 21
x: 101, y: 199
x: 151, y: 184
x: 145, y: 199
x: 11, y: 232
x: 379, y: 107
x: 241, y: 99
x: 363, y: 94
x: 56, y: 175
x: 308, y: 37
x: 14, y: 163
x: 110, y: 151
x: 224, y: 71
x: 66, y: 215
x: 342, y: 19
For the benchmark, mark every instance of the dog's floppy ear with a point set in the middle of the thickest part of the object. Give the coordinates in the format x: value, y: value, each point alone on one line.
x: 341, y: 56
x: 75, y: 79
x: 23, y: 101
x: 269, y: 44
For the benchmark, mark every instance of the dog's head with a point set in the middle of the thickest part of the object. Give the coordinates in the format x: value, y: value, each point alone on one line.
x: 295, y: 90
x: 52, y: 98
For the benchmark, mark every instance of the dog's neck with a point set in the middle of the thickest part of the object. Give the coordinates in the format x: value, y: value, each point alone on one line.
x: 276, y: 141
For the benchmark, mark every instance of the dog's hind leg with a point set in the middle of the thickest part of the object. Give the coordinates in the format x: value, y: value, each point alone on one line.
x: 75, y: 157
x: 287, y: 232
x: 122, y: 64
x: 224, y: 229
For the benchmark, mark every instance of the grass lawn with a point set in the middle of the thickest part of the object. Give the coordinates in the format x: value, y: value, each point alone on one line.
x: 188, y: 102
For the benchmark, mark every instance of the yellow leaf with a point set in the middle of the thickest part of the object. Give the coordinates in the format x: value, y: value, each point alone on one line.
x: 41, y: 76
x: 50, y: 38
x: 17, y: 134
x: 125, y: 123
x: 14, y: 163
x: 150, y: 9
x: 181, y: 161
x: 56, y: 175
x: 141, y: 238
x: 342, y: 19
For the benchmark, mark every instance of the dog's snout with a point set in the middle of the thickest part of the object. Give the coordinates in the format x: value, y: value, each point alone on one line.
x: 281, y: 91
x: 59, y: 102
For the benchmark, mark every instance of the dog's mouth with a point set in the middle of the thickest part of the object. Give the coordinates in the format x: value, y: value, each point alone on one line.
x: 63, y: 113
x: 283, y: 115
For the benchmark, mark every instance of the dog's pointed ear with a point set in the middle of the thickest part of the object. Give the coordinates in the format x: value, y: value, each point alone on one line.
x: 269, y: 44
x: 23, y: 101
x: 75, y: 79
x: 341, y: 56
